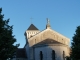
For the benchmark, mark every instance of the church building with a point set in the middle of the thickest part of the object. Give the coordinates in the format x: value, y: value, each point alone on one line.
x: 44, y: 45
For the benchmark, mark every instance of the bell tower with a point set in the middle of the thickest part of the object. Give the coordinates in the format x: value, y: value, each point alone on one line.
x: 31, y: 31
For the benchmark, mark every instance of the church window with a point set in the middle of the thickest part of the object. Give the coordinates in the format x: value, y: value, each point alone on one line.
x: 63, y: 55
x: 41, y: 55
x: 31, y: 36
x: 35, y: 40
x: 53, y: 55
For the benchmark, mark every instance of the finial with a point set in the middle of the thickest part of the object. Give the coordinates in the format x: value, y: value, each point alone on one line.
x: 48, y: 23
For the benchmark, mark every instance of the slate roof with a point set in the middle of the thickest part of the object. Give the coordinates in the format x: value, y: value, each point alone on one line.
x: 21, y: 53
x: 32, y: 27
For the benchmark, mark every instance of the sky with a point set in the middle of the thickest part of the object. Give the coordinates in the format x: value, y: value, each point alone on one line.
x: 64, y: 16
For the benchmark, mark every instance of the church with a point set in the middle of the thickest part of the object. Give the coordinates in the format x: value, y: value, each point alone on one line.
x: 44, y: 45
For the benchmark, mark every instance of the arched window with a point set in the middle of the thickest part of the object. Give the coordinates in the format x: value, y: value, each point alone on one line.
x: 41, y: 55
x: 30, y: 36
x: 63, y: 55
x: 53, y: 55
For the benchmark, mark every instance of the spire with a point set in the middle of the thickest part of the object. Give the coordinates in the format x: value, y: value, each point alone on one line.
x: 48, y: 24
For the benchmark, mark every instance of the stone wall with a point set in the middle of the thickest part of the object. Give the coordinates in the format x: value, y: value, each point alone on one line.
x: 47, y: 52
x: 48, y: 34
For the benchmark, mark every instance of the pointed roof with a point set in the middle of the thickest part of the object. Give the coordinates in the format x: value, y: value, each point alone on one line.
x: 32, y: 27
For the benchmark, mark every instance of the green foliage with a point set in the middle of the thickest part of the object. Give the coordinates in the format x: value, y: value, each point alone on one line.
x: 7, y: 40
x: 75, y: 53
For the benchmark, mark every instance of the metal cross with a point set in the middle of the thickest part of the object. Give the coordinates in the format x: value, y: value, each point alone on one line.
x: 31, y: 20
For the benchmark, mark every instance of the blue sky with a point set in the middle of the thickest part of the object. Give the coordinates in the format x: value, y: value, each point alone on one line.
x: 64, y: 16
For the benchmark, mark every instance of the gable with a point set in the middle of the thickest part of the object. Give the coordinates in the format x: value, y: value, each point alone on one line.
x: 48, y: 34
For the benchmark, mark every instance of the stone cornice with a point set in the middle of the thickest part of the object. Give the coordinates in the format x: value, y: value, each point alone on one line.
x: 43, y: 45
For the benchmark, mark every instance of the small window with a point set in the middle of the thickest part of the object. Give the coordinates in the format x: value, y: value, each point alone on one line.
x: 41, y: 55
x: 63, y: 55
x: 31, y: 36
x: 53, y: 55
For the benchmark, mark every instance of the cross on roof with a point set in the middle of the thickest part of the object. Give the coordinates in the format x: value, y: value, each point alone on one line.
x: 31, y: 19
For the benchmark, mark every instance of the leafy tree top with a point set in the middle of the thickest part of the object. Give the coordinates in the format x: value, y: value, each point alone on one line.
x: 75, y: 54
x: 7, y: 40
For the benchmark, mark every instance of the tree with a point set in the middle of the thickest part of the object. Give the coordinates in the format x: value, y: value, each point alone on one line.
x: 75, y: 53
x: 7, y: 40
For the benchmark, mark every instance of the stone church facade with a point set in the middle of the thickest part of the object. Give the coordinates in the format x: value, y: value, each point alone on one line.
x: 44, y: 45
